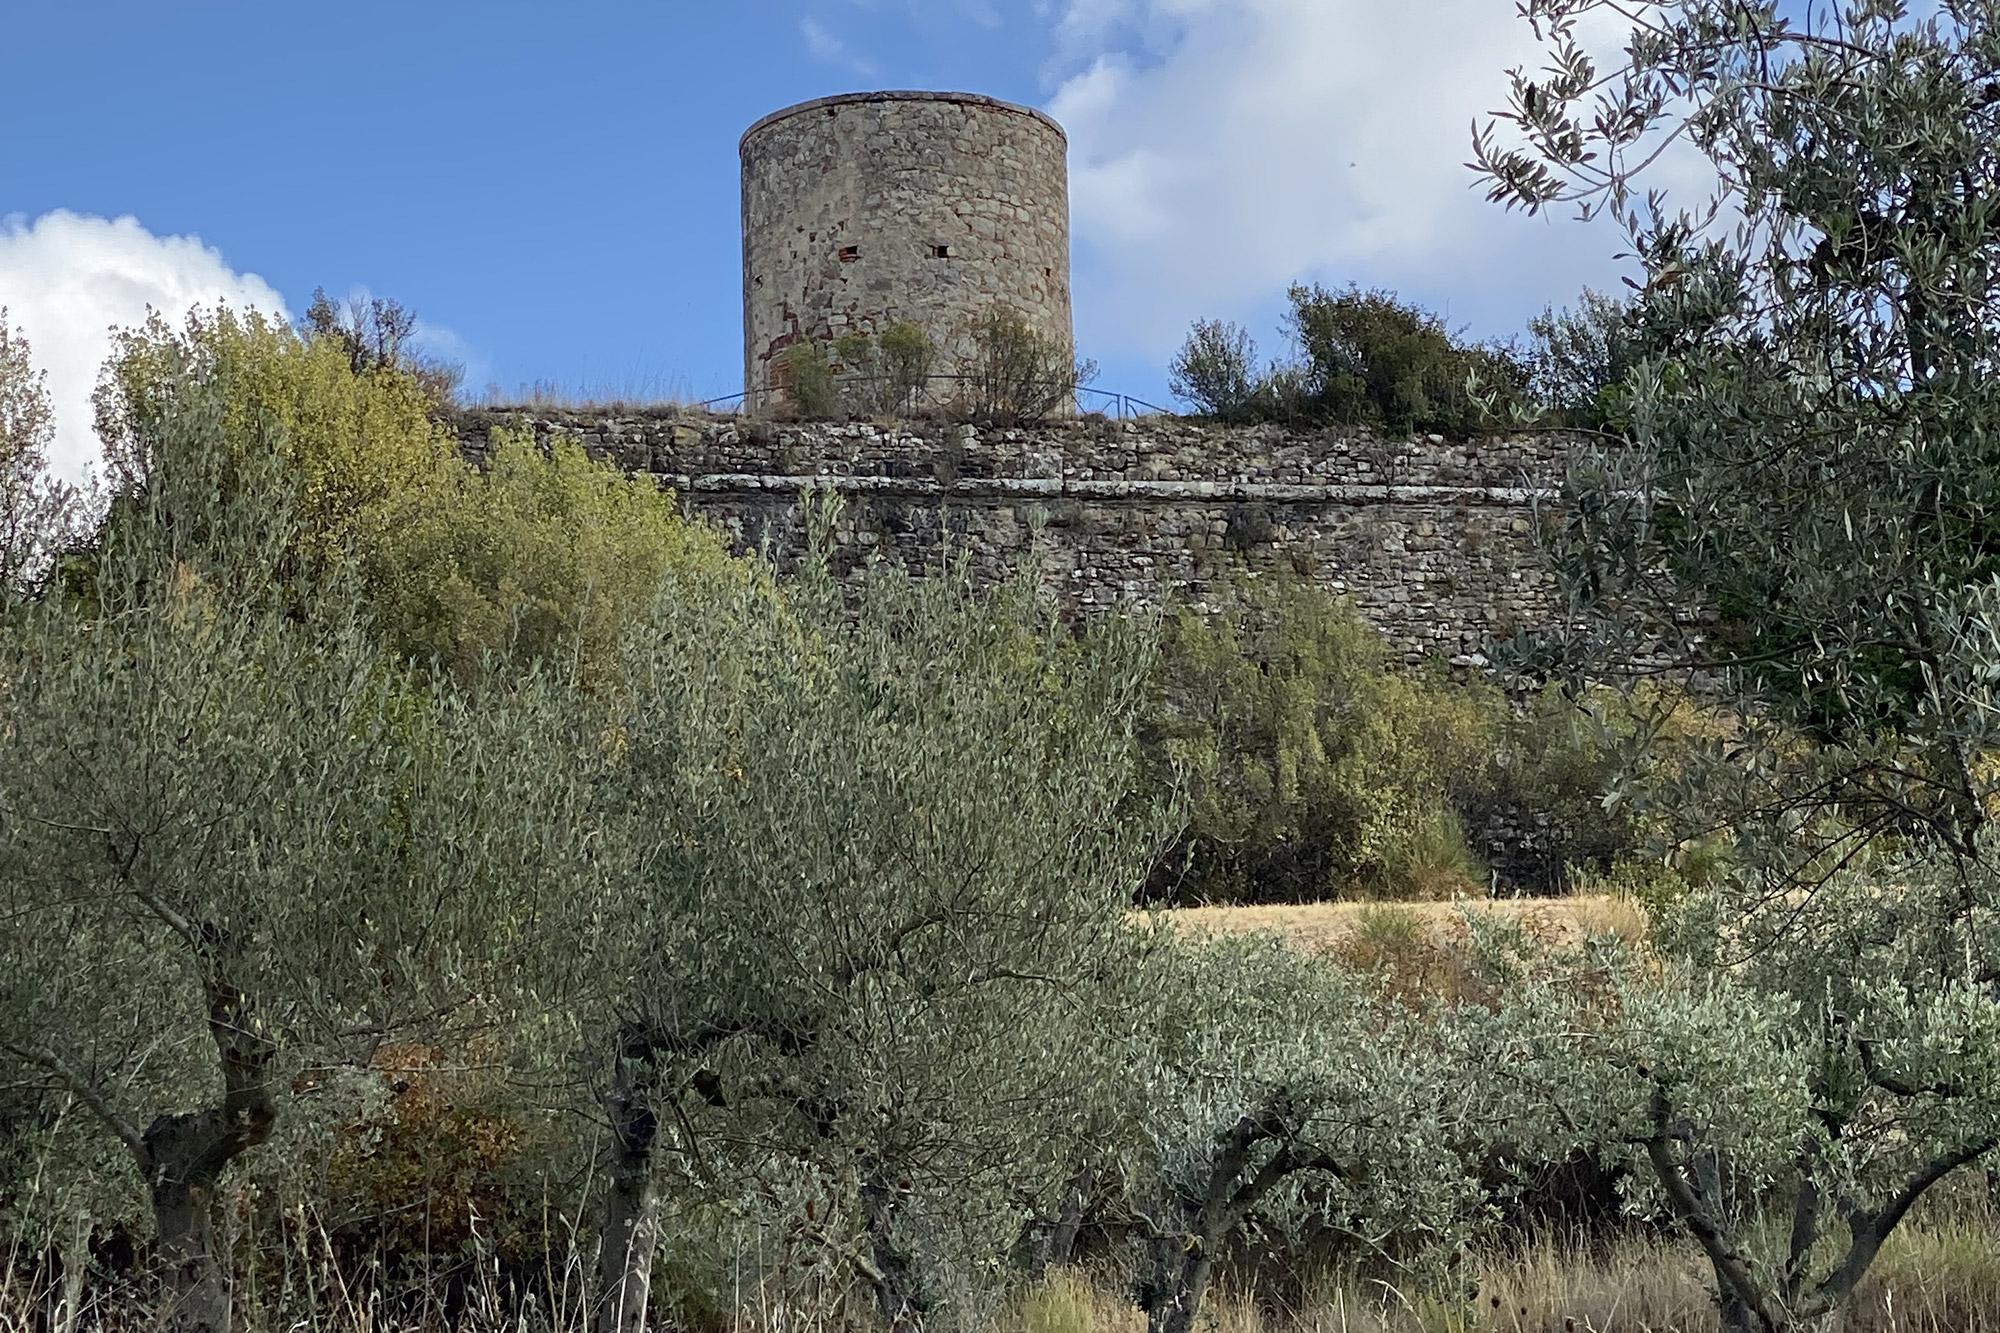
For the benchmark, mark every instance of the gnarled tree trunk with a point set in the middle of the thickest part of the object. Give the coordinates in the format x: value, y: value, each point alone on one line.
x: 1057, y: 1246
x: 630, y: 1232
x: 184, y: 1156
x: 893, y: 1270
x: 1182, y: 1266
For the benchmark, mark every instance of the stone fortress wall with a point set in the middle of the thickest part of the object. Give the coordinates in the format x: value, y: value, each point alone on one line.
x: 1432, y: 539
x: 868, y: 208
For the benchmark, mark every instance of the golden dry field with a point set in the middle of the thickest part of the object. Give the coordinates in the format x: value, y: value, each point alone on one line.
x: 1329, y: 927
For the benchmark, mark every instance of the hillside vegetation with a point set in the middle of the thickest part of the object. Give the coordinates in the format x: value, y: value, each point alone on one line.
x: 442, y: 896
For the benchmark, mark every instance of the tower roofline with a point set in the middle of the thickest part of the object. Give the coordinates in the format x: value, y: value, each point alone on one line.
x: 906, y: 95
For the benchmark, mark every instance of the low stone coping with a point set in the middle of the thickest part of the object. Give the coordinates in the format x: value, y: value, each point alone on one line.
x: 900, y: 95
x: 975, y: 488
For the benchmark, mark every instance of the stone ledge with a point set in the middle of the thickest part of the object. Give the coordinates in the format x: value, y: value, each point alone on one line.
x: 1138, y: 492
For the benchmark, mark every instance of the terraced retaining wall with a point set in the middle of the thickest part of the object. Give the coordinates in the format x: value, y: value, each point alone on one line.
x: 1431, y: 538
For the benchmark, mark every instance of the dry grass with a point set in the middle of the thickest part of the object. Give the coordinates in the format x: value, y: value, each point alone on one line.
x: 1419, y: 951
x: 1073, y: 1300
x: 1633, y: 1286
x: 1938, y: 1275
x: 633, y: 393
x: 1331, y: 927
x: 1934, y: 1277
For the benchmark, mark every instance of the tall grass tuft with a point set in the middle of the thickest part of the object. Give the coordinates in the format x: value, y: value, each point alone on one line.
x: 1940, y: 1275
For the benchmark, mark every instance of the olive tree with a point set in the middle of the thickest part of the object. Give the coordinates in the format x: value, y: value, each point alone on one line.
x: 1268, y: 1090
x: 1787, y: 1135
x: 1809, y: 455
x: 884, y: 849
x: 234, y: 836
x: 1812, y: 421
x: 39, y: 515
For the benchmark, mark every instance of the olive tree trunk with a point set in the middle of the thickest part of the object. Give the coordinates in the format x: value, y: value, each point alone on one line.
x: 1056, y: 1246
x: 630, y: 1232
x: 1182, y: 1266
x: 892, y: 1271
x: 183, y: 1157
x: 1188, y: 1233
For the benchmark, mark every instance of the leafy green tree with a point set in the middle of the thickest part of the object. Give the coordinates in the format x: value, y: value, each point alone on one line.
x: 1812, y: 427
x: 1371, y: 358
x: 1311, y: 767
x: 1579, y: 359
x: 39, y: 516
x: 539, y: 556
x: 1269, y: 1090
x: 1215, y: 371
x: 234, y: 839
x: 884, y: 869
x: 353, y: 443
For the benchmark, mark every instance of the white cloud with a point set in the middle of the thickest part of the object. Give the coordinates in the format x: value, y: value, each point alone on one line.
x: 828, y: 49
x: 66, y: 280
x: 1220, y: 149
x: 444, y: 343
x: 981, y: 13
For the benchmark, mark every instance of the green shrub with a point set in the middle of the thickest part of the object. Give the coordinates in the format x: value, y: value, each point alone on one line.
x: 1373, y: 359
x: 438, y: 1168
x: 1216, y: 370
x: 544, y: 553
x: 1312, y: 768
x: 1560, y: 766
x: 857, y: 375
x: 1015, y: 374
x: 1012, y: 375
x: 906, y: 355
x: 1428, y: 859
x: 1366, y: 358
x: 809, y: 381
x: 1556, y: 758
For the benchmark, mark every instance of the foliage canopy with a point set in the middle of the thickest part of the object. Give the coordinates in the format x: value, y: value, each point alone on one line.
x: 542, y: 554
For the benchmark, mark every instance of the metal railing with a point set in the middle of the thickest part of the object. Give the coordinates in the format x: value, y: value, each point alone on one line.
x: 1128, y: 406
x: 1121, y: 406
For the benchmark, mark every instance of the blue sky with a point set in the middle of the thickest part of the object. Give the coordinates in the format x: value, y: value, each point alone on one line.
x: 554, y: 187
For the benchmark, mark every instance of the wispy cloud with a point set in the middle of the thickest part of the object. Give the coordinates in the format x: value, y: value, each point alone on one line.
x: 981, y: 12
x: 828, y: 49
x: 1223, y: 148
x: 67, y: 280
x: 439, y: 342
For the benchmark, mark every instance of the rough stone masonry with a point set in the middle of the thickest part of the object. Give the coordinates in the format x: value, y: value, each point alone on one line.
x: 1432, y: 539
x: 869, y: 208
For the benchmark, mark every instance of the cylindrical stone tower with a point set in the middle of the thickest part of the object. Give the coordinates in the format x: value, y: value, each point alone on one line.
x: 867, y: 208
